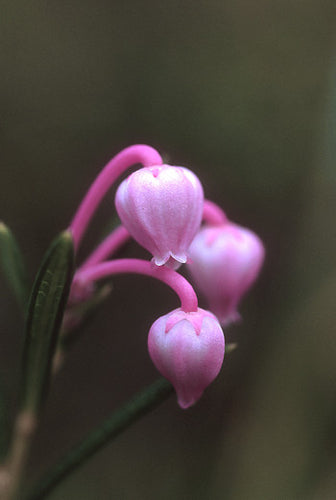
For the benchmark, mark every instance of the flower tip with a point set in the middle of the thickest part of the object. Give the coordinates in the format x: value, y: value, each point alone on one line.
x: 185, y: 404
x: 186, y: 400
x: 179, y: 258
x: 169, y: 260
x: 158, y: 261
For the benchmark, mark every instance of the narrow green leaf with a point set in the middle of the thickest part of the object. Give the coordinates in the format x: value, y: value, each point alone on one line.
x: 141, y: 404
x: 46, y: 307
x: 13, y: 266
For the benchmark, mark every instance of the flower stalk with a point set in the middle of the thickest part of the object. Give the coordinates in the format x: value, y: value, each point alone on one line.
x: 107, y: 247
x: 141, y: 404
x: 213, y: 214
x: 139, y: 153
x: 171, y: 278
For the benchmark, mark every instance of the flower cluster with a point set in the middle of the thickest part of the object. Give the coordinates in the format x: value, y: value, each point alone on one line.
x: 162, y: 207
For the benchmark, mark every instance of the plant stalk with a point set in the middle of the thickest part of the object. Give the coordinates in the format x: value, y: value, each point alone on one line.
x: 141, y: 404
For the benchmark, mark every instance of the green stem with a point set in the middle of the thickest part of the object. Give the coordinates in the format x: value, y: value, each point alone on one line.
x: 141, y: 404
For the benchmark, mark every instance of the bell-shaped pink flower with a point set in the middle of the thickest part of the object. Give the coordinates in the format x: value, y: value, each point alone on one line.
x: 225, y: 260
x: 161, y: 207
x: 188, y: 349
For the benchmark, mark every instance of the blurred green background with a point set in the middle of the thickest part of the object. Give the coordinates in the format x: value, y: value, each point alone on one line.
x: 244, y: 93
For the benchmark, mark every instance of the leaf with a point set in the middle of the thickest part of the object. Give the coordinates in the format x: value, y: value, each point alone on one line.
x: 13, y: 265
x: 46, y: 308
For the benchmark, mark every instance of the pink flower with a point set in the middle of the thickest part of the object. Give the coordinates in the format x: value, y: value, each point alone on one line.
x: 162, y: 207
x: 225, y: 260
x: 188, y: 349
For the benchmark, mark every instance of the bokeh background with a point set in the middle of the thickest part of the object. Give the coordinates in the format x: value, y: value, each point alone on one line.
x: 244, y: 93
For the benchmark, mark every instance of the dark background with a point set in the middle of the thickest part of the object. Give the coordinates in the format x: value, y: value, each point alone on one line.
x: 243, y: 93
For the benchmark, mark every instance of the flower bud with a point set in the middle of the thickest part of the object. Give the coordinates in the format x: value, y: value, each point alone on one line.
x: 224, y: 262
x: 161, y: 207
x: 187, y: 349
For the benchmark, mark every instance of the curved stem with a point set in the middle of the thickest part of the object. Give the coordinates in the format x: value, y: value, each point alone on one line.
x: 140, y: 405
x: 213, y: 214
x: 173, y: 279
x: 138, y: 153
x: 107, y: 247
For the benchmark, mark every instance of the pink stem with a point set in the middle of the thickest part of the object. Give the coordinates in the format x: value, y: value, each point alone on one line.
x: 107, y: 247
x: 171, y: 278
x: 213, y: 214
x: 138, y: 153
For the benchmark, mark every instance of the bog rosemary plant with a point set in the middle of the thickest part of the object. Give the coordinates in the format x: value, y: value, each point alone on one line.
x: 162, y: 207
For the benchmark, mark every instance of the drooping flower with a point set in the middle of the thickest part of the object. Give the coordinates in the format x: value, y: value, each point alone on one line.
x: 225, y: 260
x: 188, y: 349
x: 161, y: 207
